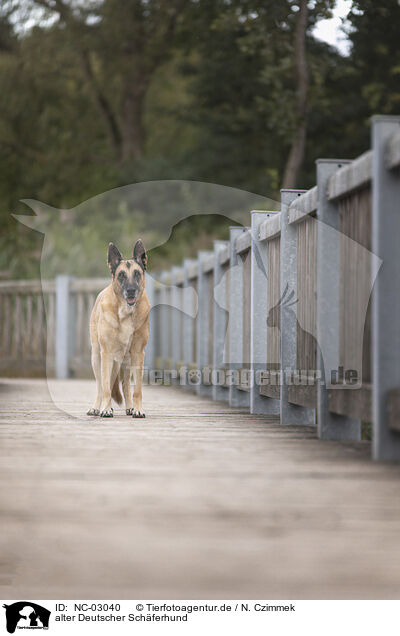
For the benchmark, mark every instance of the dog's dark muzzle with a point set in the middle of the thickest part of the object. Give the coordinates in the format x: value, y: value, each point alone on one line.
x: 131, y: 295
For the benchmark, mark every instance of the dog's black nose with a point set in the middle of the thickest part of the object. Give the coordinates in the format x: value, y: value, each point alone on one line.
x: 131, y: 292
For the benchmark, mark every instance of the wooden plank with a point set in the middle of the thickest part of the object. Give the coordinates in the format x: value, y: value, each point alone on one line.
x: 80, y: 317
x: 23, y: 368
x: 224, y: 255
x: 195, y: 325
x: 303, y: 395
x: 351, y: 177
x: 51, y: 326
x: 206, y: 374
x: 26, y: 286
x: 88, y: 284
x: 28, y: 341
x: 243, y: 241
x: 193, y: 270
x: 270, y: 390
x: 179, y: 276
x: 181, y: 329
x: 273, y: 283
x: 85, y: 335
x: 208, y: 263
x: 393, y: 405
x: 41, y: 328
x: 228, y: 317
x: 183, y: 492
x: 38, y: 320
x: 306, y: 294
x: 2, y: 302
x: 17, y: 327
x: 303, y: 206
x: 355, y: 403
x: 6, y: 325
x: 90, y: 302
x: 355, y: 223
x: 246, y: 307
x: 270, y: 228
x: 210, y: 304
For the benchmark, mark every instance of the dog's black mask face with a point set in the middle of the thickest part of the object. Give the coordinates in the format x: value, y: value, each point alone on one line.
x: 128, y: 276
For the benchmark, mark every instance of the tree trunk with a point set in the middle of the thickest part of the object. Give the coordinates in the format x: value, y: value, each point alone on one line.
x: 296, y: 154
x: 132, y: 123
x: 102, y: 104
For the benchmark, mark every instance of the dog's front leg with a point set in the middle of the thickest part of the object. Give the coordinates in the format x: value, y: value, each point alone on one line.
x: 126, y: 388
x: 96, y: 364
x: 138, y: 361
x: 107, y: 363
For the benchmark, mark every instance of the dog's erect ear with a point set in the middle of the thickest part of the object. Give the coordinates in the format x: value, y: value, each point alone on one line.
x: 114, y: 257
x: 139, y: 254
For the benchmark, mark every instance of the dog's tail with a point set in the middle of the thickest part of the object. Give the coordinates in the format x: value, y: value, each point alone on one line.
x: 116, y: 393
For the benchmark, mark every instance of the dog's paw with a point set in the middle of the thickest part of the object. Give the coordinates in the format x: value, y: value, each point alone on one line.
x: 107, y: 413
x: 129, y: 411
x: 138, y: 414
x: 93, y: 412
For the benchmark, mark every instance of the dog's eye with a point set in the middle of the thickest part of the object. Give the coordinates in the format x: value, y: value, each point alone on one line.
x: 121, y: 276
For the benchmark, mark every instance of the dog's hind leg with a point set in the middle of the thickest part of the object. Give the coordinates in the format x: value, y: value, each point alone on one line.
x: 126, y: 388
x: 96, y: 364
x: 107, y: 372
x: 138, y: 360
x: 115, y: 377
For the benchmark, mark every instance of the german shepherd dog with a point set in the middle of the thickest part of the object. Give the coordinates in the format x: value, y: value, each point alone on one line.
x: 119, y: 330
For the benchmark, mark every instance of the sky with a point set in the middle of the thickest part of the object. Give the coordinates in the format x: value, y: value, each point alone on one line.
x: 329, y: 30
x: 326, y: 30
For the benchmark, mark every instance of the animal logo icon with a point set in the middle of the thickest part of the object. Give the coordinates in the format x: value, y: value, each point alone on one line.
x: 26, y: 615
x: 286, y: 300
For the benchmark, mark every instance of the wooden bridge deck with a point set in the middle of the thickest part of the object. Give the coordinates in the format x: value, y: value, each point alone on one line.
x: 196, y: 501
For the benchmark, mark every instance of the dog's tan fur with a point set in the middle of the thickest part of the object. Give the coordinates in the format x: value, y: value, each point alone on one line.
x: 119, y: 334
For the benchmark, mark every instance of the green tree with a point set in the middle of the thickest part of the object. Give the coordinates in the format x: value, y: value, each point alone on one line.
x: 375, y: 55
x: 254, y: 92
x: 120, y: 44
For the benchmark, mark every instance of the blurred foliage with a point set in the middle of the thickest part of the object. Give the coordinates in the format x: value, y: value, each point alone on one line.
x: 95, y: 95
x: 366, y: 431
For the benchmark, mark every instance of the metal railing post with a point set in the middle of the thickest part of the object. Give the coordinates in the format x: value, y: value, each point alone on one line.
x: 330, y: 425
x: 188, y: 323
x: 290, y: 413
x: 385, y: 294
x: 176, y: 309
x: 203, y: 327
x: 259, y: 311
x: 219, y: 392
x: 235, y: 329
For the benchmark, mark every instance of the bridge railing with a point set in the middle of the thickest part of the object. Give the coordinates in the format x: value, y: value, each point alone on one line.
x: 286, y: 321
x: 279, y: 319
x: 44, y: 327
x: 23, y: 334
